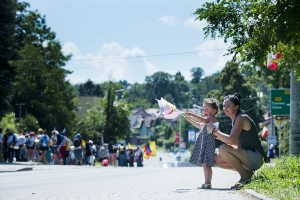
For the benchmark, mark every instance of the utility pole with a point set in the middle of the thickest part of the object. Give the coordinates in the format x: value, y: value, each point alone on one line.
x: 20, y: 112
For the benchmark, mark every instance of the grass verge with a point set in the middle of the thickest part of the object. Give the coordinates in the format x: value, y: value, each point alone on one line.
x: 280, y: 180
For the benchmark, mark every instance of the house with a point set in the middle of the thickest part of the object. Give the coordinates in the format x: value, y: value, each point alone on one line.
x: 142, y: 124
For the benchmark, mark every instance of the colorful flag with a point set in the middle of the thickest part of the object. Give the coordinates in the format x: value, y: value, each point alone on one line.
x: 149, y: 149
x: 273, y: 60
x: 165, y: 107
x: 265, y: 132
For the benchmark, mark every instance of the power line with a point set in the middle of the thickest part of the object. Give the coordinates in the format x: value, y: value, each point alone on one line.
x: 130, y: 57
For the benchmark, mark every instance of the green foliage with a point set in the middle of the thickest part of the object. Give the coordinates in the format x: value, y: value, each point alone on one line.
x: 116, y: 124
x: 137, y: 96
x: 92, y: 123
x: 285, y: 139
x: 197, y: 74
x: 255, y: 28
x: 232, y: 81
x: 165, y: 135
x: 8, y: 122
x: 281, y: 181
x: 40, y: 79
x: 30, y: 123
x: 89, y: 89
x: 7, y: 52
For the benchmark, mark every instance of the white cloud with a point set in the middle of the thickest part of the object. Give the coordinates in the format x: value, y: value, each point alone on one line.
x: 111, y: 48
x: 212, y: 55
x: 114, y: 62
x: 190, y: 22
x: 168, y: 19
x: 70, y: 48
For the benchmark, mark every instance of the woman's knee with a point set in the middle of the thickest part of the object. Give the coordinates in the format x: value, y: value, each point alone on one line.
x: 224, y: 149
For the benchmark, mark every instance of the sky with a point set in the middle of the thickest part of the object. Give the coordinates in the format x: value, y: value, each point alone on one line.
x: 131, y: 39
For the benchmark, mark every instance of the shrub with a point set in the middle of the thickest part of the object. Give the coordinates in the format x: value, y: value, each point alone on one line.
x: 280, y: 181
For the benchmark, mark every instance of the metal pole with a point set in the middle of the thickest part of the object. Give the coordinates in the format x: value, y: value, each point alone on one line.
x: 20, y: 112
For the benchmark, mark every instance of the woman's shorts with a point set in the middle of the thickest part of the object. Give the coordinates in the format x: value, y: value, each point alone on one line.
x: 256, y: 160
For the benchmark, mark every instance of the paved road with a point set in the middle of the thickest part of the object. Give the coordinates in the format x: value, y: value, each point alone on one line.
x: 151, y: 182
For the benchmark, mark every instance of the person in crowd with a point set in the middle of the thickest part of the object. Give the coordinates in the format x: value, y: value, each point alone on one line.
x: 1, y: 145
x: 110, y: 149
x: 20, y: 143
x: 62, y: 141
x: 77, y: 142
x: 90, y: 149
x: 67, y: 157
x: 11, y: 142
x: 129, y: 157
x: 121, y: 155
x: 204, y: 148
x: 271, y: 152
x: 30, y: 145
x: 242, y: 150
x: 23, y: 148
x: 44, y: 145
x: 54, y: 146
x: 138, y: 156
x: 103, y: 152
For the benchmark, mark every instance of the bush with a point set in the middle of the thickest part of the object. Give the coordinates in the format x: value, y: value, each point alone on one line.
x: 280, y: 181
x: 9, y: 122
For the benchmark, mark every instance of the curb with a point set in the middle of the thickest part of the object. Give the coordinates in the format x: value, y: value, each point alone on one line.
x: 256, y: 195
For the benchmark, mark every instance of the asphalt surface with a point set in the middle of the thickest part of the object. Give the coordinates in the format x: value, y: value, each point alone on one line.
x: 161, y: 178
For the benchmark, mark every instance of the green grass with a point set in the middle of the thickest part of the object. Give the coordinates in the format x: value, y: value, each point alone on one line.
x: 278, y: 180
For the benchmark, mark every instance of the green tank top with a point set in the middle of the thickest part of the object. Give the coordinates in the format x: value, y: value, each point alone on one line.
x: 249, y: 139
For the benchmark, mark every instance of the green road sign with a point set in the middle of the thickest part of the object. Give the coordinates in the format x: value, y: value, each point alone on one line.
x: 280, y: 102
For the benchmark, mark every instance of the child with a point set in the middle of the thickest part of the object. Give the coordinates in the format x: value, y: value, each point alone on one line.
x: 203, y: 152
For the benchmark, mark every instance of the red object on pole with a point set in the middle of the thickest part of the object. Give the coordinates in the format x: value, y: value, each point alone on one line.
x: 265, y: 132
x: 177, y: 141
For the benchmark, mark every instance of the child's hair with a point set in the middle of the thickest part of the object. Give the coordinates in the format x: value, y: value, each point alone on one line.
x: 213, y: 103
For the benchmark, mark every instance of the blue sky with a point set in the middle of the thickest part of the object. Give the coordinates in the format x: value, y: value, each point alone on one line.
x: 131, y: 39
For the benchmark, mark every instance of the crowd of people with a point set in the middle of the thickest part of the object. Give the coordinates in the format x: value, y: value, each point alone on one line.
x: 57, y: 148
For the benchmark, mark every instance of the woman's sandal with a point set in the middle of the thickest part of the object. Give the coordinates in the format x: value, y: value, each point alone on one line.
x: 240, y: 184
x: 237, y: 186
x: 205, y: 186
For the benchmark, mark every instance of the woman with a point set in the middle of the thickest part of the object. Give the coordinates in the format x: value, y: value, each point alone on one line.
x: 242, y: 150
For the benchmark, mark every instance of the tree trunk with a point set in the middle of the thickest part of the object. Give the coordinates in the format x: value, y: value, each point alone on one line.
x: 294, y: 108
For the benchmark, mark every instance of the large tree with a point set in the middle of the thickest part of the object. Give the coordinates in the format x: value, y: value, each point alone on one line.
x: 40, y: 78
x: 7, y: 52
x: 116, y: 125
x: 256, y: 28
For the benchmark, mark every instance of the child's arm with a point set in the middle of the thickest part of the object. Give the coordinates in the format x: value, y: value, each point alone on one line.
x: 193, y: 122
x: 200, y: 119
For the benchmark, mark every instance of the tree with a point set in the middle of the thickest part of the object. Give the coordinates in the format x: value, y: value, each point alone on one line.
x: 40, y: 79
x: 157, y: 85
x: 116, y: 124
x: 232, y: 81
x: 137, y: 96
x: 256, y: 28
x: 7, y: 52
x: 197, y: 73
x: 89, y: 87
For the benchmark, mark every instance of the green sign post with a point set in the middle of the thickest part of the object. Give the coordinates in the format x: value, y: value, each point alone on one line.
x: 280, y: 102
